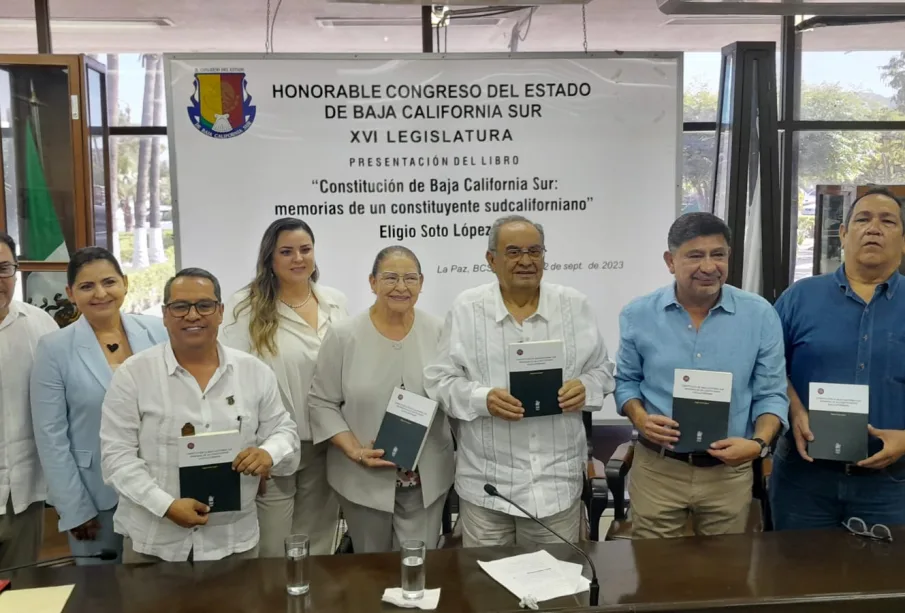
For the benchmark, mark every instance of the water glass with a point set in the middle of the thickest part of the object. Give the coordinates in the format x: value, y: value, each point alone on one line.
x: 297, y: 548
x: 412, y: 570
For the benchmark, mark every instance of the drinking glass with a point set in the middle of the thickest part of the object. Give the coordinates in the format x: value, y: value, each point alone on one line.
x: 412, y: 570
x: 297, y: 548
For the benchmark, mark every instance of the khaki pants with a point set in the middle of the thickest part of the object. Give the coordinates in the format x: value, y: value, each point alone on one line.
x: 664, y: 493
x: 21, y: 535
x: 374, y: 531
x: 303, y: 503
x: 488, y: 528
x: 130, y: 556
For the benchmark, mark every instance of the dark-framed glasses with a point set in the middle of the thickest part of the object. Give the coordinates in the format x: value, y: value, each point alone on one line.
x: 535, y: 252
x: 390, y: 279
x: 181, y: 308
x: 877, y: 532
x: 8, y: 269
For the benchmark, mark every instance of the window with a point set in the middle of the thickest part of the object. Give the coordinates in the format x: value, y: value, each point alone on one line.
x: 852, y: 86
x: 132, y: 96
x: 143, y: 238
x: 698, y: 152
x: 702, y: 85
x: 839, y: 157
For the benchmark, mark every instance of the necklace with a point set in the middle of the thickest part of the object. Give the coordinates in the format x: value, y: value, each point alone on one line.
x: 298, y: 306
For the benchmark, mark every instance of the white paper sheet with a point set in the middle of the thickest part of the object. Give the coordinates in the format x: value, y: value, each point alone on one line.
x: 538, y: 575
x: 35, y: 600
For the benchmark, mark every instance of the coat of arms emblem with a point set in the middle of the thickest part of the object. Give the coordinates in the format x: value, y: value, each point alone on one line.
x: 221, y: 105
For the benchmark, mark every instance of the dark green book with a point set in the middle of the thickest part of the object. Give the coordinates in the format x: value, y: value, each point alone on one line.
x: 838, y: 415
x: 206, y: 470
x: 535, y: 376
x: 404, y: 428
x: 700, y: 405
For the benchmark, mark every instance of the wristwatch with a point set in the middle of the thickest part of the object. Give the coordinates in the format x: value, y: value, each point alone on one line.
x: 764, y: 448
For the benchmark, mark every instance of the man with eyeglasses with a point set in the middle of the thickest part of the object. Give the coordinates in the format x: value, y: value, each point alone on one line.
x: 190, y: 385
x: 538, y: 462
x: 848, y: 327
x: 22, y: 486
x: 698, y: 323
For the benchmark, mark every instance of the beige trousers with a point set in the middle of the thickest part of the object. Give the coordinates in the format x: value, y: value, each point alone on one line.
x: 21, y: 535
x: 130, y: 556
x: 374, y: 531
x: 488, y: 528
x: 664, y: 493
x: 303, y: 503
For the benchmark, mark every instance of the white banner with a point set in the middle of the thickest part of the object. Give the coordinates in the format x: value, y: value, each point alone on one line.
x: 427, y: 152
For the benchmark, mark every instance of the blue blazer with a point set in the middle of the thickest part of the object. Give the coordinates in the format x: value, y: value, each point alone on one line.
x: 69, y: 379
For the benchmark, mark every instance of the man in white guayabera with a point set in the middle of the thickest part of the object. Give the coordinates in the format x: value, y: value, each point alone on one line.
x: 538, y: 462
x: 191, y: 383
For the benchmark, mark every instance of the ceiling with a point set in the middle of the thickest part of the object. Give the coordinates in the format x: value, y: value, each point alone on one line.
x: 239, y: 26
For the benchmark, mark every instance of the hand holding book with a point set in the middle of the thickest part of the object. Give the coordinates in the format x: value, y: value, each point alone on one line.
x: 187, y: 513
x: 801, y: 430
x: 500, y: 403
x: 372, y: 458
x: 893, y: 448
x: 735, y: 451
x: 253, y: 461
x: 571, y: 395
x: 658, y: 429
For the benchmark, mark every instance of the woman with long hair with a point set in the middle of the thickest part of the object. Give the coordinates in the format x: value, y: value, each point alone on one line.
x: 73, y: 368
x: 281, y: 317
x: 362, y: 361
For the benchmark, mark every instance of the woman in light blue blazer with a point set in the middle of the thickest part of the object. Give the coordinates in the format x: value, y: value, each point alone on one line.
x: 72, y: 369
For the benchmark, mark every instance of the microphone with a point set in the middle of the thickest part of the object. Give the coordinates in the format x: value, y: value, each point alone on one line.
x: 103, y: 554
x: 595, y: 586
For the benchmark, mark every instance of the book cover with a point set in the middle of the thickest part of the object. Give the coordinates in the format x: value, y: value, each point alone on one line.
x: 838, y: 416
x: 205, y: 470
x: 535, y: 376
x: 700, y: 405
x: 404, y: 428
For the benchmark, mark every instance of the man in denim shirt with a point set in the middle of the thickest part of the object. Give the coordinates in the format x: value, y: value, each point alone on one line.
x: 848, y: 327
x: 698, y: 323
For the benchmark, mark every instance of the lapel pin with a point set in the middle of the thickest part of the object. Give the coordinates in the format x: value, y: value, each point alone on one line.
x: 230, y: 400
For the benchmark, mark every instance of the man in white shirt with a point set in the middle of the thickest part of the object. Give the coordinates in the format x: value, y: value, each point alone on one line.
x: 22, y: 487
x: 190, y: 382
x: 538, y: 462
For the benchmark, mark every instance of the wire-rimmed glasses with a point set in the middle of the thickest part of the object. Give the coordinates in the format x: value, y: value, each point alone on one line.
x: 877, y: 532
x: 391, y: 279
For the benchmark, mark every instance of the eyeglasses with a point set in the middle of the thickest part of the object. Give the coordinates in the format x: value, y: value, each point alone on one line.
x: 8, y: 270
x: 535, y: 252
x: 182, y: 308
x: 390, y: 279
x: 858, y: 527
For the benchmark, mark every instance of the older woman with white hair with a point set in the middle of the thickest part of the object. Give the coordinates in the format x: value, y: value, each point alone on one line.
x: 361, y: 362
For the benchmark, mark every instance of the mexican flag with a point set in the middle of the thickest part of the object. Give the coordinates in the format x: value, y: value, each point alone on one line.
x: 44, y: 237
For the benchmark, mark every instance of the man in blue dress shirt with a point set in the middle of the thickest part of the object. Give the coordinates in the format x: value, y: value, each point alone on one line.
x: 848, y: 327
x: 698, y: 323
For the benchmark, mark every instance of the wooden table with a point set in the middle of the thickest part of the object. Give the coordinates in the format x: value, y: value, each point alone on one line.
x: 799, y: 572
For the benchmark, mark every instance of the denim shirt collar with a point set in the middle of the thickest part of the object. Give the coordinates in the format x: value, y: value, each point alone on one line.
x: 889, y: 287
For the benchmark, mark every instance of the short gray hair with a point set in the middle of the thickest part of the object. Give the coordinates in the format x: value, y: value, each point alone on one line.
x: 508, y: 219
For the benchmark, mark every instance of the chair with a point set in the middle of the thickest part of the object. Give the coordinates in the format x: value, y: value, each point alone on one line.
x: 595, y: 494
x: 617, y: 470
